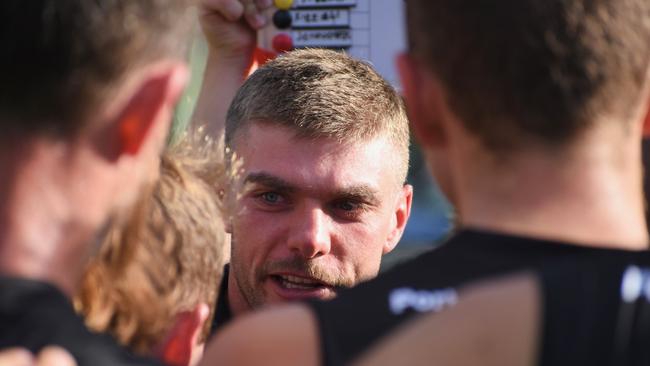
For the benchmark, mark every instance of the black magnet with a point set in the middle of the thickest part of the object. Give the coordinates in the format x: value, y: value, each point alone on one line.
x: 282, y: 19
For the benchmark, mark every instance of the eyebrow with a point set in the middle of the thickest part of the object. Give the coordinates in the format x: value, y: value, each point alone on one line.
x: 361, y: 193
x: 270, y: 181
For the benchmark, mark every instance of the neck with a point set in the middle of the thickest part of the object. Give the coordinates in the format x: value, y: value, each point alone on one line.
x: 38, y: 238
x: 591, y: 195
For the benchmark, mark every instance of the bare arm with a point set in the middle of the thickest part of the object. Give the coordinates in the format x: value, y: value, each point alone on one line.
x: 280, y: 336
x: 230, y: 27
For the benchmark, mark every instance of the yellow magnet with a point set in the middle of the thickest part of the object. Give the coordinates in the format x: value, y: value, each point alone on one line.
x: 283, y: 4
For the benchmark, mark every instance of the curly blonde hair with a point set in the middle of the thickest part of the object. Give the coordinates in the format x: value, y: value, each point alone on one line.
x: 166, y: 259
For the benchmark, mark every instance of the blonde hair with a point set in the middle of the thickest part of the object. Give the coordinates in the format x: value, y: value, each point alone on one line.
x: 166, y: 259
x: 322, y: 94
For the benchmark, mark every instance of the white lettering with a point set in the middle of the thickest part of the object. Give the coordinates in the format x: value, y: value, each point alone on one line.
x: 422, y: 301
x: 635, y: 282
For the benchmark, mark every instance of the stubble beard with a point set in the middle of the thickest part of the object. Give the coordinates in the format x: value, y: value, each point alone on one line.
x: 251, y: 287
x: 253, y: 299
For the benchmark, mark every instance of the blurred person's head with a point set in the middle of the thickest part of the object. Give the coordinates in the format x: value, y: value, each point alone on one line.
x: 324, y: 145
x: 153, y: 285
x: 497, y: 86
x: 88, y: 91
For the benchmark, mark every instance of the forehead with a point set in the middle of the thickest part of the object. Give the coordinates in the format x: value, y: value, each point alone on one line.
x: 316, y: 163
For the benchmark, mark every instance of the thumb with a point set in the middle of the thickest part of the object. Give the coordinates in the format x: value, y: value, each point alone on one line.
x: 16, y: 357
x: 55, y: 356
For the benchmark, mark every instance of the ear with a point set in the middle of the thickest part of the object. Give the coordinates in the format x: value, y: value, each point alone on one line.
x: 400, y: 217
x: 423, y: 99
x: 180, y: 343
x: 150, y: 104
x: 646, y: 124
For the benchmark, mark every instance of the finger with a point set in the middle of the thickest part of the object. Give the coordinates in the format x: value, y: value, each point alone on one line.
x: 254, y: 16
x: 16, y: 357
x: 55, y: 356
x: 232, y: 10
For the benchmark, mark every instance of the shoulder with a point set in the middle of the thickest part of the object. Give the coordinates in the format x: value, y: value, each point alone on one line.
x: 277, y: 336
x: 35, y: 315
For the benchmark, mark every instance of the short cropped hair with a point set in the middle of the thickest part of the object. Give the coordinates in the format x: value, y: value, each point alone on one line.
x: 167, y: 259
x: 541, y: 71
x: 322, y: 94
x: 61, y: 58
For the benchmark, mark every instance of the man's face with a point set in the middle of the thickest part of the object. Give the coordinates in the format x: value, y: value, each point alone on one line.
x: 314, y: 216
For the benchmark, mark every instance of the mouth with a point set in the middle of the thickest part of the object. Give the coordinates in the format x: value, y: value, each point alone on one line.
x: 300, y: 283
x: 293, y: 287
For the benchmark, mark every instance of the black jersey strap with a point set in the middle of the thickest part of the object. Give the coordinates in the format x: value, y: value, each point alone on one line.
x: 633, y: 326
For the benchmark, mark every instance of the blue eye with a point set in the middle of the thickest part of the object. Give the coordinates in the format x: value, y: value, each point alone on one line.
x: 349, y: 209
x: 271, y: 197
x: 347, y: 206
x: 272, y: 201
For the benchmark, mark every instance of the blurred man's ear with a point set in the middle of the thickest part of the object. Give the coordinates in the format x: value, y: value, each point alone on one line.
x: 400, y: 217
x: 646, y: 123
x: 228, y: 225
x: 181, y: 346
x: 150, y: 104
x: 423, y: 100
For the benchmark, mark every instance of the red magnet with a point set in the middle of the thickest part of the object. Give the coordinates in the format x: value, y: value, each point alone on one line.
x: 282, y: 43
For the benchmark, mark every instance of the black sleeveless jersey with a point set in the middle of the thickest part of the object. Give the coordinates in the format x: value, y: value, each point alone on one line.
x: 34, y: 315
x: 359, y: 317
x: 596, y: 311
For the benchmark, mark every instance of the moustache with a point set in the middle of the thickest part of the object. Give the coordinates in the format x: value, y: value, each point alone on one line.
x: 307, y: 268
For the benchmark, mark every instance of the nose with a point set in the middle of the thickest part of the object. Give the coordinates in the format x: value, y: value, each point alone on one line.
x: 310, y: 236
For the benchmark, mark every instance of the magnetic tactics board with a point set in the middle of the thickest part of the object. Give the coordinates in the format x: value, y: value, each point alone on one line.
x: 372, y: 30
